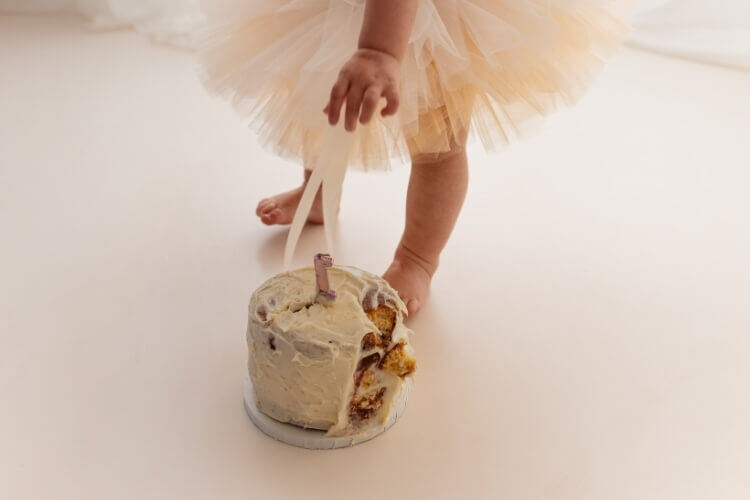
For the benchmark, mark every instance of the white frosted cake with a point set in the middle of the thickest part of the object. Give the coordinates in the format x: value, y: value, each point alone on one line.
x: 335, y: 363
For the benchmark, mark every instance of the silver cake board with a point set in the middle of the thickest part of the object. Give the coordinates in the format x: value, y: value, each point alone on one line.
x: 313, y: 439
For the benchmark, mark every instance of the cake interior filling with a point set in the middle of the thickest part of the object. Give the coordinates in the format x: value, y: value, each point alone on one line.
x: 382, y: 357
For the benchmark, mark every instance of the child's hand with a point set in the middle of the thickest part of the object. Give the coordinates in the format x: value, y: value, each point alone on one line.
x: 364, y: 79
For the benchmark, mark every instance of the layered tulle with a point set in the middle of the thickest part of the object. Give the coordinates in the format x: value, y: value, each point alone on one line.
x: 487, y: 67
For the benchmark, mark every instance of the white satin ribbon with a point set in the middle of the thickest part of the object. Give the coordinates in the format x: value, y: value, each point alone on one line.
x: 329, y: 172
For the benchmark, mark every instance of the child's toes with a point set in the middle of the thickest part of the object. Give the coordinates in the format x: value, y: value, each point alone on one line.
x: 265, y: 205
x: 412, y: 306
x: 269, y: 207
x: 270, y: 217
x: 266, y: 219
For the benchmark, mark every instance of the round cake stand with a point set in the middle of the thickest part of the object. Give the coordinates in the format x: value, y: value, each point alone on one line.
x: 313, y: 439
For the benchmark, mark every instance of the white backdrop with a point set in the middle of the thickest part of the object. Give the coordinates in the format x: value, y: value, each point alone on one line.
x: 170, y: 21
x: 716, y: 31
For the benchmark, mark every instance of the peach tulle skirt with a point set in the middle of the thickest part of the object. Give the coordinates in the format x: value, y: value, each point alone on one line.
x: 484, y: 66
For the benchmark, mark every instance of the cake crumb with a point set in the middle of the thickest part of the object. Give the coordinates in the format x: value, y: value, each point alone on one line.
x: 366, y: 406
x: 370, y: 341
x: 368, y: 379
x: 398, y: 362
x: 384, y: 318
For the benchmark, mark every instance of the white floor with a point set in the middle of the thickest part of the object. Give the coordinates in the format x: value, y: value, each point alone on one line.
x: 587, y: 336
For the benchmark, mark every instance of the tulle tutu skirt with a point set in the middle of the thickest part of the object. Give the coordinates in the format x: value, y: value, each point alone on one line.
x: 487, y: 67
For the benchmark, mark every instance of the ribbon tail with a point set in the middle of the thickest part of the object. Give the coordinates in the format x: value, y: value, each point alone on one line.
x: 303, y: 210
x: 329, y: 171
x: 338, y: 145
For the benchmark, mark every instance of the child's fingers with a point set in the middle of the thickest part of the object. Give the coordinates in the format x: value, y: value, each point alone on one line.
x: 369, y: 103
x: 391, y: 96
x: 338, y: 93
x: 353, y: 102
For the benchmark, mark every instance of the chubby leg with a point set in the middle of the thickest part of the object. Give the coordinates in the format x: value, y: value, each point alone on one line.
x: 437, y: 189
x: 279, y: 209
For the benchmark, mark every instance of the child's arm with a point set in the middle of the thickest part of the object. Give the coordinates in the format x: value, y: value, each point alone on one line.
x: 387, y: 26
x: 374, y: 70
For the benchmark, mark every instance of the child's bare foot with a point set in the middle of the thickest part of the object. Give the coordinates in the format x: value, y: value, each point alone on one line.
x: 280, y: 209
x: 410, y: 275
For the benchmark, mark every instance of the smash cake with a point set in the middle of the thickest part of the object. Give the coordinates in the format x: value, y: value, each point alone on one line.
x: 330, y: 362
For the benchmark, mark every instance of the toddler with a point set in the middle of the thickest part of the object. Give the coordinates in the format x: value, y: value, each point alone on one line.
x: 409, y: 78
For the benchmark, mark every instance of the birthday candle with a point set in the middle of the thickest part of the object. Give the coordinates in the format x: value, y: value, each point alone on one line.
x: 322, y: 262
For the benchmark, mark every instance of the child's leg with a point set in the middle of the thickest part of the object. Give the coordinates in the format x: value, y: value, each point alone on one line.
x: 279, y: 209
x: 437, y: 189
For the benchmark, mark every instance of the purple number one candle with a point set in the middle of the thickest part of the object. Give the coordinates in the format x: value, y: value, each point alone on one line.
x: 322, y: 262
